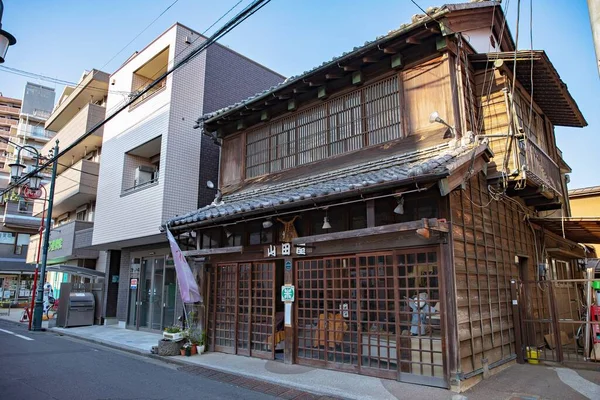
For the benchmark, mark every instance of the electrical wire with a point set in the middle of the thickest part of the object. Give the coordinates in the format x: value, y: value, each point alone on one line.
x: 139, y: 34
x: 27, y: 74
x: 175, y: 58
x: 246, y: 13
x: 68, y: 83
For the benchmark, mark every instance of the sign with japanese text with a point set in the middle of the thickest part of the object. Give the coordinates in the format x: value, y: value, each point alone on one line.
x: 55, y: 244
x: 285, y: 249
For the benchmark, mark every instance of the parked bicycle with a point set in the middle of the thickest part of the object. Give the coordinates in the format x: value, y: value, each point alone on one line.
x: 583, y: 317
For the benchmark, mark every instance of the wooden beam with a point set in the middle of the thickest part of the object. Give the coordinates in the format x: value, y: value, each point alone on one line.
x: 333, y: 76
x: 209, y: 252
x: 390, y: 50
x: 370, y: 60
x: 348, y: 68
x: 413, y: 40
x: 300, y: 90
x: 434, y: 224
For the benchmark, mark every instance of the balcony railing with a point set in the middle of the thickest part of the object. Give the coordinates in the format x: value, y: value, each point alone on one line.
x: 541, y: 168
x: 12, y: 110
x: 34, y: 132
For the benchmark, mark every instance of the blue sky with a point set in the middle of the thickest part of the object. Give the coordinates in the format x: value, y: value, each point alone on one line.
x: 61, y: 38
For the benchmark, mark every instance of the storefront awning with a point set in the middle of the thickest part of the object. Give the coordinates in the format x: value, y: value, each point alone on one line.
x: 75, y: 270
x: 579, y: 230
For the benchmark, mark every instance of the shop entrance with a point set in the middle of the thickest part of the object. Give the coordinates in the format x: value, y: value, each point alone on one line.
x: 374, y: 314
x: 245, y: 312
x: 152, y: 298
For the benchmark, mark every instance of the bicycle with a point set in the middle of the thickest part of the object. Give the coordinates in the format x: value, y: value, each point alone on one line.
x: 583, y: 317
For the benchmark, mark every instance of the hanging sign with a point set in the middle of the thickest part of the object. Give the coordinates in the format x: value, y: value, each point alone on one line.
x: 284, y: 250
x: 288, y: 265
x: 288, y: 293
x: 133, y: 283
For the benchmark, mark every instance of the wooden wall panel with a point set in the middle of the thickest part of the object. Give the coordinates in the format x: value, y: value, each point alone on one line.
x: 427, y: 88
x: 232, y: 158
x: 487, y: 234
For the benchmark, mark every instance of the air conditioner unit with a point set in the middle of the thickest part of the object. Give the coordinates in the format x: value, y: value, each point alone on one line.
x: 143, y: 174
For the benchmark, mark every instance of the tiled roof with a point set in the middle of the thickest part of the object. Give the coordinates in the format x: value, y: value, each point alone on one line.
x: 402, y: 168
x: 586, y: 191
x: 434, y: 14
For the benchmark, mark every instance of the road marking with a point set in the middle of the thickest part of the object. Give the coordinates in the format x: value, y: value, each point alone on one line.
x: 15, y: 334
x: 578, y: 383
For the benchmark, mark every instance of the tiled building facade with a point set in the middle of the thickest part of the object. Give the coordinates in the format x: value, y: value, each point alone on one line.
x: 155, y: 165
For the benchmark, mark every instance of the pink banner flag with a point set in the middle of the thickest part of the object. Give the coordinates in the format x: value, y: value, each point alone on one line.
x: 187, y: 284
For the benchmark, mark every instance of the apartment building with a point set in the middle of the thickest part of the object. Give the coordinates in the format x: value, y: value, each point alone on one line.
x: 155, y: 165
x: 79, y: 108
x: 9, y: 115
x: 25, y: 122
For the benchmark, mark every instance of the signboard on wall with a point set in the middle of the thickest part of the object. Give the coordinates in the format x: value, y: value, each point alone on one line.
x: 133, y: 283
x: 288, y: 293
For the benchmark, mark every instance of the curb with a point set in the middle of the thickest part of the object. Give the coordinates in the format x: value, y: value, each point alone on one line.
x: 184, y: 363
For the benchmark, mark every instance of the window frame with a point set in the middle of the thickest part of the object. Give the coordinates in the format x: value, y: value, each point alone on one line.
x: 387, y: 104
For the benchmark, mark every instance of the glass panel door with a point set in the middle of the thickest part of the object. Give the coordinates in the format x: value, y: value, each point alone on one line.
x: 145, y: 294
x: 169, y: 294
x: 157, y: 292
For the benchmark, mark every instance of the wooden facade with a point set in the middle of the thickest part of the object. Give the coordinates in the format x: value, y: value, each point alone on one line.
x: 371, y: 265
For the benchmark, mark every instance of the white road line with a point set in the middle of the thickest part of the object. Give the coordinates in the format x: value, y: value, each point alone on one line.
x: 578, y: 383
x: 15, y: 334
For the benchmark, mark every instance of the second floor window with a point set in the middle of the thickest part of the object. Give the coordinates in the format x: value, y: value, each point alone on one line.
x: 364, y: 117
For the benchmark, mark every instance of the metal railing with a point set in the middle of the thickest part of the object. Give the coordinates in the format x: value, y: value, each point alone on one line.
x: 542, y: 167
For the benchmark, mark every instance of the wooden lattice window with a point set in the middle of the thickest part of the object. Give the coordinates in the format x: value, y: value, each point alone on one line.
x: 364, y: 117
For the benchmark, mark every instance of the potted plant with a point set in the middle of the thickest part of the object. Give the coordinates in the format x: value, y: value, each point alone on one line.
x: 186, y: 350
x: 173, y: 333
x: 196, y: 338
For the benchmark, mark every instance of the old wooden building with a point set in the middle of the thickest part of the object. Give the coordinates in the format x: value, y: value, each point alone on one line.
x: 389, y: 196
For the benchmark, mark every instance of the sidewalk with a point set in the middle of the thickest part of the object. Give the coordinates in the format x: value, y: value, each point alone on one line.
x: 517, y: 382
x: 15, y: 316
x: 314, y: 380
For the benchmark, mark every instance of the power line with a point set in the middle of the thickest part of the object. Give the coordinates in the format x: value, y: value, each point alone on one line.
x: 27, y: 74
x: 194, y: 41
x: 139, y: 34
x: 246, y: 13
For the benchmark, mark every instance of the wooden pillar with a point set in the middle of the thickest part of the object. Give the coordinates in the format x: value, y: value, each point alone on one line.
x: 449, y: 313
x: 516, y: 321
x: 290, y: 337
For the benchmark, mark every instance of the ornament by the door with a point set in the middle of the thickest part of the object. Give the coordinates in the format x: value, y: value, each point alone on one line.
x: 289, y: 231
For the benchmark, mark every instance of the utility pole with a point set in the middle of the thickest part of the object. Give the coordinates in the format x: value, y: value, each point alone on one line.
x: 594, y: 9
x: 38, y: 309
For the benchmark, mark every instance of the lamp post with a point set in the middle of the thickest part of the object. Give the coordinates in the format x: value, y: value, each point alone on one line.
x: 6, y: 39
x: 34, y: 183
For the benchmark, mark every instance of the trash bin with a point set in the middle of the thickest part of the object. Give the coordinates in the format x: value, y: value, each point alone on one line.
x: 80, y: 310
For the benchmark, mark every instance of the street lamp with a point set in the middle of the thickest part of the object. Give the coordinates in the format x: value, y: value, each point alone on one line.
x: 6, y: 39
x: 34, y: 184
x: 16, y: 168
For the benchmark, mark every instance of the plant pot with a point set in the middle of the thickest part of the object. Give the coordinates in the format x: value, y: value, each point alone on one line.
x: 182, y: 351
x: 201, y: 349
x: 174, y: 337
x: 194, y: 349
x: 188, y: 351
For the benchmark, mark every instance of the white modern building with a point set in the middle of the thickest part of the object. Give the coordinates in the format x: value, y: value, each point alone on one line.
x: 155, y: 165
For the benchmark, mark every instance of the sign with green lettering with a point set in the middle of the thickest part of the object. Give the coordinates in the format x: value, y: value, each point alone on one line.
x: 55, y: 244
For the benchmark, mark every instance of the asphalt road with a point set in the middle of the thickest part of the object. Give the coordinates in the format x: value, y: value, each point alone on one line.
x: 44, y: 365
